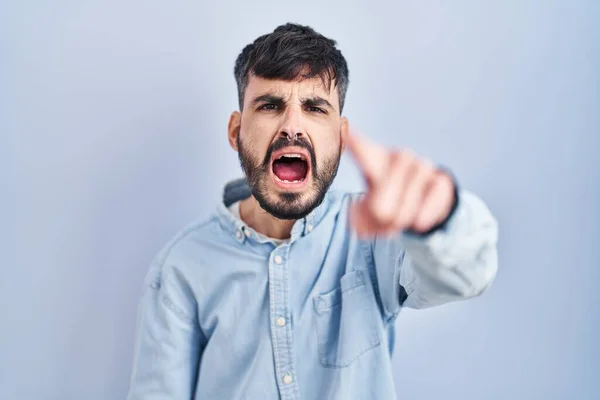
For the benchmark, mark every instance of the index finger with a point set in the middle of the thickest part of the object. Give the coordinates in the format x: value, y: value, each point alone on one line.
x: 371, y: 157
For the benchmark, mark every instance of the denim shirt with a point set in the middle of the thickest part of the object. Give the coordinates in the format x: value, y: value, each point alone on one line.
x: 230, y: 314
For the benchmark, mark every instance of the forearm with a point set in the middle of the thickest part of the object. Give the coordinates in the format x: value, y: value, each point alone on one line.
x: 458, y: 261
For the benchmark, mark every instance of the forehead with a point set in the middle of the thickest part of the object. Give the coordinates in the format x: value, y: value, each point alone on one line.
x: 291, y: 90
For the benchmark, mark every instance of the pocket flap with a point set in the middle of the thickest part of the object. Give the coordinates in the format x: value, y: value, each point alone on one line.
x: 351, y: 280
x: 348, y: 281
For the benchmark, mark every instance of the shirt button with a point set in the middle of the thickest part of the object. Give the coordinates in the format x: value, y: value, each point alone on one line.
x: 309, y: 228
x: 238, y: 235
x: 280, y: 321
x: 247, y: 232
x: 287, y: 379
x: 278, y: 260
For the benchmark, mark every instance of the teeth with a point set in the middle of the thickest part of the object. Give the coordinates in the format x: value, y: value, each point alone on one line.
x: 294, y: 155
x: 286, y: 181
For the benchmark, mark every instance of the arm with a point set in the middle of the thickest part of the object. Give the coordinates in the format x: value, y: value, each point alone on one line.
x: 168, y: 341
x: 429, y: 242
x: 457, y: 261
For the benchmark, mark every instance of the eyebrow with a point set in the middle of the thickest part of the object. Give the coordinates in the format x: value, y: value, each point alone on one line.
x: 315, y: 101
x: 268, y: 98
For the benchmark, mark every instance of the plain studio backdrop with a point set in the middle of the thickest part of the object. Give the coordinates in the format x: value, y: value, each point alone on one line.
x: 113, y: 137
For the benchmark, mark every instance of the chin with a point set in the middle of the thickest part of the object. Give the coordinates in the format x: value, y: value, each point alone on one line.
x: 289, y: 204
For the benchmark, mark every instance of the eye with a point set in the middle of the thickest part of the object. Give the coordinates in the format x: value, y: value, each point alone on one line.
x: 317, y: 110
x: 268, y: 107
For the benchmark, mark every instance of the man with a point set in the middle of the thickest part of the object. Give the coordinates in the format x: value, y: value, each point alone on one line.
x: 290, y: 289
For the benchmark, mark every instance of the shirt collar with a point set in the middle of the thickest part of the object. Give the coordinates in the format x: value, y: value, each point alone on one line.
x: 238, y: 189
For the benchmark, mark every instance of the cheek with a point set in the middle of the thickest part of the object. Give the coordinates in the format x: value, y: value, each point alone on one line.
x: 327, y: 144
x: 255, y: 122
x: 256, y: 134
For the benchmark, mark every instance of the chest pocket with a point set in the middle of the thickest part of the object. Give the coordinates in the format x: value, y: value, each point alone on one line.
x: 347, y: 321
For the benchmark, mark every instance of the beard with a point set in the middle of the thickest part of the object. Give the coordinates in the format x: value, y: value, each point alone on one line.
x: 287, y: 205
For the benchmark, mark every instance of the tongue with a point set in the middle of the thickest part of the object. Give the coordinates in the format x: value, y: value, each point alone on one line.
x: 290, y: 170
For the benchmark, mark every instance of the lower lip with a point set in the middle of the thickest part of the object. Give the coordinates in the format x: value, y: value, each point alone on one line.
x: 291, y: 185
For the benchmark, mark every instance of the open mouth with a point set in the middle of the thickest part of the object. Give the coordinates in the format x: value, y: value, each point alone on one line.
x: 291, y: 168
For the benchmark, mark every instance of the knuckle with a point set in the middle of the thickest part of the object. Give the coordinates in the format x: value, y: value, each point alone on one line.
x: 427, y: 168
x: 407, y: 154
x: 442, y: 183
x: 403, y: 157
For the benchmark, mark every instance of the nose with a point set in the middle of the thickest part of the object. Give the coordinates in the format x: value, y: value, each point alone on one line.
x: 292, y: 124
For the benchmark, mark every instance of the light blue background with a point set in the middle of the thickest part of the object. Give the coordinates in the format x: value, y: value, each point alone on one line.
x: 113, y: 137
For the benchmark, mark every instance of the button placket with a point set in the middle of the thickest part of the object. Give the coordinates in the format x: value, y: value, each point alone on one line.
x: 280, y: 327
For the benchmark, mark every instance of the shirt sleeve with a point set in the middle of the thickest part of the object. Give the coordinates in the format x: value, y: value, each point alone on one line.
x: 168, y: 342
x: 457, y: 261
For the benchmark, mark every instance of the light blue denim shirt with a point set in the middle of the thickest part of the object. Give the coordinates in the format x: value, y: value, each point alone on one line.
x: 229, y: 314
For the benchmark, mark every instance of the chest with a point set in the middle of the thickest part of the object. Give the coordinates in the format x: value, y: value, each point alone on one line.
x: 240, y: 288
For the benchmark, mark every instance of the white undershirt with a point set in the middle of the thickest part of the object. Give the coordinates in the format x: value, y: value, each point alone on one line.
x: 235, y: 210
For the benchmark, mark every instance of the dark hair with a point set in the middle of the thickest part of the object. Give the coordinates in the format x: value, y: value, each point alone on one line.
x: 292, y: 52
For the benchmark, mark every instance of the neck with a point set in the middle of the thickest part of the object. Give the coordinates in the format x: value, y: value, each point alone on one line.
x: 261, y: 221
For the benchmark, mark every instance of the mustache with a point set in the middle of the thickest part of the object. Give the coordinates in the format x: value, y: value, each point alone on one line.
x: 282, y: 143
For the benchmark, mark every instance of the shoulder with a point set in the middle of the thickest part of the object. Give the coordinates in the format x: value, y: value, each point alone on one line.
x: 340, y: 199
x: 184, y: 250
x: 340, y: 196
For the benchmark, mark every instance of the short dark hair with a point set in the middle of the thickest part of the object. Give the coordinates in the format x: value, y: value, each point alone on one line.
x: 289, y: 53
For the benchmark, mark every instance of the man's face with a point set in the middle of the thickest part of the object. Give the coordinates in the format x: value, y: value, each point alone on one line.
x: 289, y: 139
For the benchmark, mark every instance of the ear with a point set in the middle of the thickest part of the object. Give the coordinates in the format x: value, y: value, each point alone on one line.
x: 344, y: 130
x: 233, y: 129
